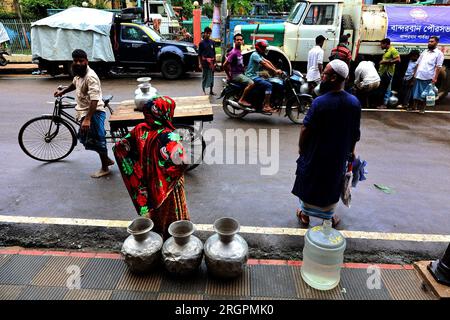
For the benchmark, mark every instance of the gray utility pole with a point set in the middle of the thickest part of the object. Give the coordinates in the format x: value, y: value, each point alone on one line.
x: 223, y: 20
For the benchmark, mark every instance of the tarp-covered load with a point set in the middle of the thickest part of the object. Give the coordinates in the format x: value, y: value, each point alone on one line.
x: 55, y: 37
x: 3, y: 34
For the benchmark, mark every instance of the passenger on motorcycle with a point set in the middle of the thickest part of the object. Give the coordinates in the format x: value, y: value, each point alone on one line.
x: 257, y: 63
x: 234, y: 68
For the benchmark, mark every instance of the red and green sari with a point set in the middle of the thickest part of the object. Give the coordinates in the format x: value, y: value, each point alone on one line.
x: 151, y: 161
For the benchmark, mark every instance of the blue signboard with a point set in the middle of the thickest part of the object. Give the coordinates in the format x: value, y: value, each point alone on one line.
x: 413, y: 24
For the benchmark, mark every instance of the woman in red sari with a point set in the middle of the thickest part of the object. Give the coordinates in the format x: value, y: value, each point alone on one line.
x: 151, y: 160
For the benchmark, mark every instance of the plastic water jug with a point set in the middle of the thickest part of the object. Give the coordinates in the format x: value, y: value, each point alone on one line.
x: 323, y: 255
x: 429, y: 95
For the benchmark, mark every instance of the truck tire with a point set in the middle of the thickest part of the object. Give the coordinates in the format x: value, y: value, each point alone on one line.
x: 53, y: 69
x: 347, y: 22
x: 171, y: 68
x: 443, y: 83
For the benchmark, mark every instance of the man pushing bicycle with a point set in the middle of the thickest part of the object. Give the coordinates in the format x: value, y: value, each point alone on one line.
x: 90, y: 110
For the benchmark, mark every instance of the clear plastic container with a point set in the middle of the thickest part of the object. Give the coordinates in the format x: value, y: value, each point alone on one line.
x: 323, y: 255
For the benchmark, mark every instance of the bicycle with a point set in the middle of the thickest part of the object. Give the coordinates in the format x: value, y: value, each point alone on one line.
x: 52, y: 137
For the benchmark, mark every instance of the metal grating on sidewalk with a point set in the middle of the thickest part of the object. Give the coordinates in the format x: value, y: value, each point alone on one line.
x: 304, y: 291
x: 133, y: 295
x: 88, y: 294
x: 405, y: 285
x: 21, y: 269
x: 43, y: 293
x: 355, y: 285
x: 41, y: 277
x: 102, y: 273
x: 132, y: 282
x: 179, y: 296
x: 57, y: 270
x: 233, y: 288
x: 272, y: 281
x: 194, y: 284
x: 10, y: 292
x: 4, y: 259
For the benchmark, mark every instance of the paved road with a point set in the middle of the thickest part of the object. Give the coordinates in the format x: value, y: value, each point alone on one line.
x: 407, y: 152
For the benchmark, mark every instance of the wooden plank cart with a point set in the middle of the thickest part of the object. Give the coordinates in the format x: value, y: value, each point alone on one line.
x: 190, y: 113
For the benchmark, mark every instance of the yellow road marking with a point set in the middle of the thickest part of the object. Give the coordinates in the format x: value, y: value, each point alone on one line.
x: 244, y: 229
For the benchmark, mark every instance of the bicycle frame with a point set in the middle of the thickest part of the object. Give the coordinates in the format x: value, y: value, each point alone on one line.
x: 59, y: 113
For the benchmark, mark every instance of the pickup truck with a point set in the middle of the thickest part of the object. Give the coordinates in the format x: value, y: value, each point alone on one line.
x: 114, y: 44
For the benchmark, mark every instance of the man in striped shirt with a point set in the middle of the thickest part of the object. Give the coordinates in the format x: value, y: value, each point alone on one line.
x: 342, y: 52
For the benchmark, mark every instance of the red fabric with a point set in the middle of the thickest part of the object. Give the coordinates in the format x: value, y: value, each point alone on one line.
x: 146, y: 160
x: 342, y: 53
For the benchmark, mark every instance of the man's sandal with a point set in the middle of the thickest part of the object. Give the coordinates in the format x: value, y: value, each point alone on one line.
x: 303, y: 218
x: 335, y: 221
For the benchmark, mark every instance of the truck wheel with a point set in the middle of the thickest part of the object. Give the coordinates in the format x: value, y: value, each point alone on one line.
x: 171, y: 69
x: 443, y: 83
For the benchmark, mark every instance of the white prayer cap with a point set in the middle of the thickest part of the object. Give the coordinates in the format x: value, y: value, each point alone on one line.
x: 340, y: 67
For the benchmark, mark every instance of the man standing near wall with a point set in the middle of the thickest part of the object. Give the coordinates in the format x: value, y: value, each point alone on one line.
x: 427, y: 71
x: 387, y: 68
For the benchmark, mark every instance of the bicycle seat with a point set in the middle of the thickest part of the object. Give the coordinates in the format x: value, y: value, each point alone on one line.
x: 107, y: 99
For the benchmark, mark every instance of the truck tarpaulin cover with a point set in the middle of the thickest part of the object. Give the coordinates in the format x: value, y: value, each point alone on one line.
x: 55, y: 37
x: 412, y: 24
x: 3, y: 34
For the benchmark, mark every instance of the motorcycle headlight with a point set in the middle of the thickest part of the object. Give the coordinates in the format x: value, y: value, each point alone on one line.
x: 191, y: 50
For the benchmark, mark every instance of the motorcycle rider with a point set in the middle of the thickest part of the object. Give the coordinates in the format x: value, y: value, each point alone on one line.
x: 256, y: 65
x: 234, y: 68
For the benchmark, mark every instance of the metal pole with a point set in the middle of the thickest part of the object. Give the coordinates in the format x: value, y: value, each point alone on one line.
x: 440, y: 269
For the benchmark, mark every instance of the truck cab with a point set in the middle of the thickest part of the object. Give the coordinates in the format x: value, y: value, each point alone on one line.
x: 307, y: 19
x: 169, y: 22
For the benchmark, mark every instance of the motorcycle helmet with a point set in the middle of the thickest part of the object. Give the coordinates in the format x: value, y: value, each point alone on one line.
x: 304, y: 88
x: 261, y: 45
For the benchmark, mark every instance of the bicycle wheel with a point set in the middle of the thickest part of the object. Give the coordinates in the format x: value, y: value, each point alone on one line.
x: 193, y: 143
x: 47, y: 138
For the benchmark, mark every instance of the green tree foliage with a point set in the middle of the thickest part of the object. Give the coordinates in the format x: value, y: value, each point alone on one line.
x: 208, y: 10
x: 187, y: 6
x: 38, y: 8
x: 239, y: 7
x: 282, y: 5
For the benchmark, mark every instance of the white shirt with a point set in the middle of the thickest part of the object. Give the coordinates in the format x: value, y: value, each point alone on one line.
x: 87, y: 88
x: 427, y: 63
x: 315, y: 57
x: 366, y: 73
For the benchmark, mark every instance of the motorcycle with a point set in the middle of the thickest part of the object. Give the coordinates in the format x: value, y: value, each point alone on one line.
x: 3, y: 61
x: 4, y: 39
x: 285, y: 95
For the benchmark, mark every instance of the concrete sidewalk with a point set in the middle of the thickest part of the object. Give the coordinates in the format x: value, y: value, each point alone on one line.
x: 18, y: 68
x: 42, y: 275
